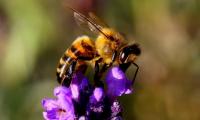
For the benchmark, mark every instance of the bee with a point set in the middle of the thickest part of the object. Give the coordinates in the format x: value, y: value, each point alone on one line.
x: 109, y: 48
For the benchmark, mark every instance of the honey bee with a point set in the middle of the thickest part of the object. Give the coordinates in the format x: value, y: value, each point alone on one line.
x: 109, y: 48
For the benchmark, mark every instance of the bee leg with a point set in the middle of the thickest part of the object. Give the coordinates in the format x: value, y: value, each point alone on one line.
x: 137, y: 68
x: 81, y: 66
x: 106, y: 66
x: 114, y: 55
x: 59, y: 79
x: 96, y: 70
x: 97, y: 75
x: 69, y: 74
x: 125, y: 66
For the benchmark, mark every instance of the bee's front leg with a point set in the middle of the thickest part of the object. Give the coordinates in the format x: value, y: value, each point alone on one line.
x: 137, y: 68
x: 106, y: 66
x: 114, y: 55
x: 125, y: 66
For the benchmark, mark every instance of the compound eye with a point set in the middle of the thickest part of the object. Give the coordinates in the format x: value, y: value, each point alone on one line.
x: 122, y: 57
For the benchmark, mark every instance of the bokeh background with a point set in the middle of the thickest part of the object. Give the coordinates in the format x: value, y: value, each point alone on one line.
x: 35, y: 33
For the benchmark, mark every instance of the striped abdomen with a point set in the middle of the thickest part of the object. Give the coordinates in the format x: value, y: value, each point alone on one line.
x: 62, y: 67
x: 82, y: 49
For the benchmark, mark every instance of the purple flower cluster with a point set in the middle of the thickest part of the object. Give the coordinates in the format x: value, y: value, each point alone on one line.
x: 82, y: 101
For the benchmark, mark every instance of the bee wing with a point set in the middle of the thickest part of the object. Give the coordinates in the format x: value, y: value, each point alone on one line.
x: 97, y: 20
x: 86, y: 22
x: 82, y: 20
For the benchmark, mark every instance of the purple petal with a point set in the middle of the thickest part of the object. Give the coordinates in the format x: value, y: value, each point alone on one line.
x: 117, y: 82
x: 79, y: 83
x: 80, y: 79
x: 75, y: 91
x: 129, y: 88
x: 117, y: 118
x: 82, y: 118
x: 49, y: 104
x: 84, y: 83
x: 61, y: 90
x: 52, y: 114
x: 61, y: 108
x: 117, y: 73
x: 116, y: 108
x: 66, y: 104
x: 98, y: 94
x: 45, y: 116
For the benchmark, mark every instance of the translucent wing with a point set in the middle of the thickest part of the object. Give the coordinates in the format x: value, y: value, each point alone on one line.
x: 86, y: 22
x: 97, y: 20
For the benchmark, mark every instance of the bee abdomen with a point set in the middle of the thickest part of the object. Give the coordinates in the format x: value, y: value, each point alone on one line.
x: 64, y: 62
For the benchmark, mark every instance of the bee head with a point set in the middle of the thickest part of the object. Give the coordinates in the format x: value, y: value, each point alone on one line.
x: 129, y: 53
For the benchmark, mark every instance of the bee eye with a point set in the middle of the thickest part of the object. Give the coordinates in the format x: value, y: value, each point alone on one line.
x: 122, y: 57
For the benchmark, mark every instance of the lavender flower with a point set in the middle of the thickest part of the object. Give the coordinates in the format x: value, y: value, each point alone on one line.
x: 116, y: 110
x: 81, y: 101
x: 78, y: 85
x: 117, y: 118
x: 60, y: 108
x: 98, y: 95
x: 117, y: 82
x: 102, y: 107
x: 98, y: 106
x: 81, y: 91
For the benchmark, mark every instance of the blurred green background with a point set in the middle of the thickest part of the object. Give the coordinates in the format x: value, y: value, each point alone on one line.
x: 35, y: 33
